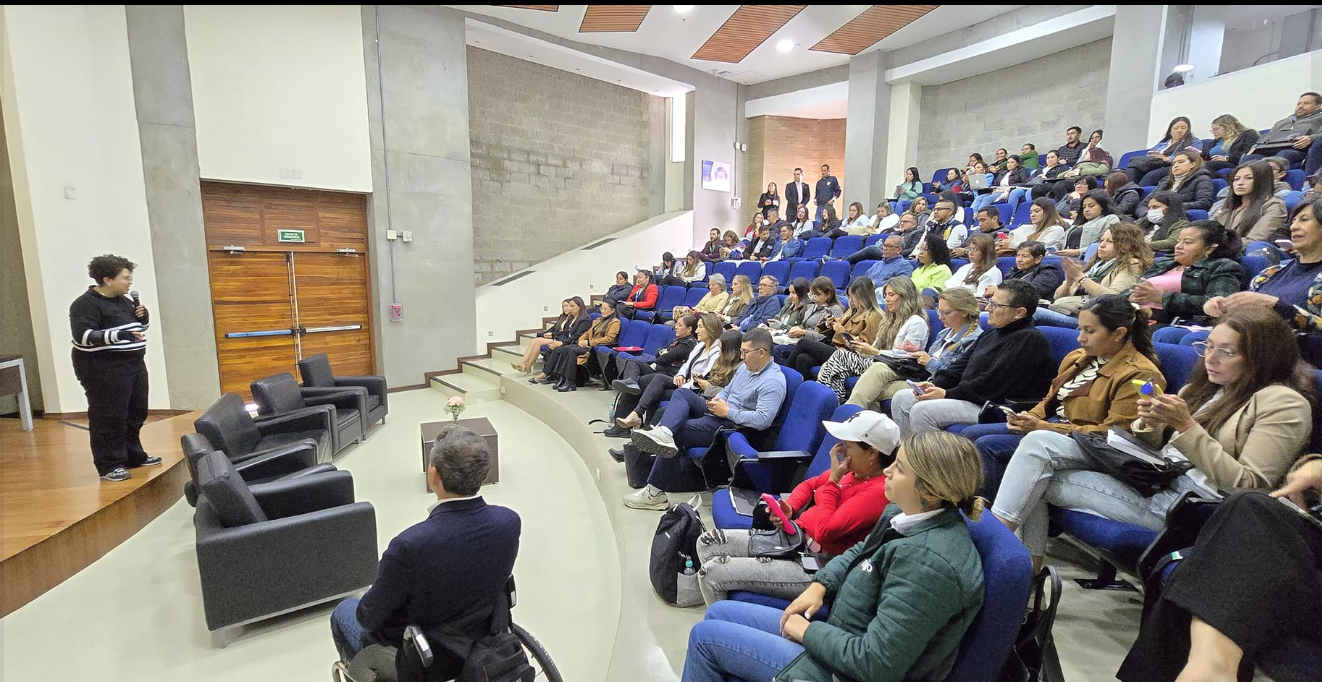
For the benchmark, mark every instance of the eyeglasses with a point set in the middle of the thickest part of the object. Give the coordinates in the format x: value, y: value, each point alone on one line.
x: 993, y: 305
x: 743, y: 353
x: 1205, y: 349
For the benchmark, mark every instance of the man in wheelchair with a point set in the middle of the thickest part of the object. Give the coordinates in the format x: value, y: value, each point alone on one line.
x: 447, y: 574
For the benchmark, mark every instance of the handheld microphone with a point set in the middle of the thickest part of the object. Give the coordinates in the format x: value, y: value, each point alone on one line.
x: 134, y: 295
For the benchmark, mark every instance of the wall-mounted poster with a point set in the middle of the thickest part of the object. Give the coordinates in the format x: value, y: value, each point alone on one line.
x: 716, y: 176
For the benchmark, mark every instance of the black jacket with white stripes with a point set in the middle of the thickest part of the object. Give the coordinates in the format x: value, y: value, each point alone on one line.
x: 101, y: 324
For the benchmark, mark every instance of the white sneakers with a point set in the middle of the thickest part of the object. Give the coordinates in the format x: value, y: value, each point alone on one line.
x: 649, y: 497
x: 658, y: 441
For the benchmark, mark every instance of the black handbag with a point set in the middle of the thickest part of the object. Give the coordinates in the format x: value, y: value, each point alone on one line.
x: 1147, y: 476
x: 905, y: 368
x: 776, y: 544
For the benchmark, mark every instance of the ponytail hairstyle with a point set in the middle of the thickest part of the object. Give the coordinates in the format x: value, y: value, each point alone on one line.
x: 1115, y: 312
x: 948, y: 468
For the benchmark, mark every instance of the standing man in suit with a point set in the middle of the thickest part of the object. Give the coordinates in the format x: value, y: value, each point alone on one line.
x: 796, y: 194
x: 450, y: 569
x: 828, y: 188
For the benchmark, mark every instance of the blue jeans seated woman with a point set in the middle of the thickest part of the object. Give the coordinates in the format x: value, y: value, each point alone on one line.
x: 738, y: 640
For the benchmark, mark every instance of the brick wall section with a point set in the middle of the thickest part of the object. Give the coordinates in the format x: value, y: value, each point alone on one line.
x: 558, y: 159
x: 1030, y: 102
x: 777, y: 145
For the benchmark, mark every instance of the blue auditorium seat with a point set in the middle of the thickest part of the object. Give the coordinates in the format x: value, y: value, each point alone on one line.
x: 1218, y: 184
x: 1063, y: 341
x: 837, y: 271
x: 817, y: 248
x: 957, y: 263
x: 1021, y: 214
x: 658, y: 337
x: 846, y: 245
x: 1089, y: 252
x: 1147, y: 190
x: 1193, y: 337
x: 934, y: 325
x: 1003, y: 209
x: 632, y: 333
x: 1295, y: 179
x: 694, y: 295
x: 1124, y: 158
x: 1293, y: 199
x: 1253, y: 265
x: 939, y: 176
x: 670, y: 297
x: 806, y: 269
x: 1176, y: 363
x: 861, y: 268
x: 725, y: 269
x: 1005, y: 264
x: 750, y: 269
x: 779, y: 269
x: 873, y: 240
x: 1196, y: 214
x: 1120, y: 544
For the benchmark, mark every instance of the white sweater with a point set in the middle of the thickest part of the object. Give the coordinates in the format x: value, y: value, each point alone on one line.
x: 914, y: 330
x: 990, y: 278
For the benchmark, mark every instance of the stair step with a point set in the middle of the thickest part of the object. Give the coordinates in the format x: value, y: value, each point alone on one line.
x: 473, y: 389
x: 486, y: 369
x: 508, y: 353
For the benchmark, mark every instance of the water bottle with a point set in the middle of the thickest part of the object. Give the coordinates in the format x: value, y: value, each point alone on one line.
x: 688, y: 566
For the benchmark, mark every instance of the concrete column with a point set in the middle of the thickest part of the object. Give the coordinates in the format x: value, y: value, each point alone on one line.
x: 902, y: 138
x: 163, y: 98
x: 866, y: 131
x: 1135, y: 64
x: 421, y: 181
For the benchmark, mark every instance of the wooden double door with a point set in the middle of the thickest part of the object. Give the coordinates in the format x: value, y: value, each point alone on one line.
x: 274, y: 303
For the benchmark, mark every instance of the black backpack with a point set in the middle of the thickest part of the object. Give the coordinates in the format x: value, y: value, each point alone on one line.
x: 497, y: 656
x: 675, y: 541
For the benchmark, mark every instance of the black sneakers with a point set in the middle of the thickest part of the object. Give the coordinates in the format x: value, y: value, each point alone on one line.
x: 119, y: 474
x: 617, y: 432
x: 151, y: 462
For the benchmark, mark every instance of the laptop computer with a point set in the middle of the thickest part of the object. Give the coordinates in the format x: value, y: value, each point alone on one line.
x: 977, y: 181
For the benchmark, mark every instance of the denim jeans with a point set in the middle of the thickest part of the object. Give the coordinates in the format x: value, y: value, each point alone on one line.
x: 916, y: 416
x: 1309, y: 159
x: 726, y: 567
x: 1052, y: 318
x: 348, y: 635
x: 738, y: 640
x: 1049, y: 468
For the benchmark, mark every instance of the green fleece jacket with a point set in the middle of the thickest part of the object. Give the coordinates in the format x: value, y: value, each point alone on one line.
x: 901, y: 613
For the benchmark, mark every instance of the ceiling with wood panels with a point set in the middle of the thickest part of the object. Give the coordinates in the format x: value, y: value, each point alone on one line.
x: 739, y: 42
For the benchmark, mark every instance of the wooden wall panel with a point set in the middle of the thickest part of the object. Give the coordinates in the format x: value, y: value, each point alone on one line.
x: 333, y: 290
x: 251, y: 215
x: 250, y: 292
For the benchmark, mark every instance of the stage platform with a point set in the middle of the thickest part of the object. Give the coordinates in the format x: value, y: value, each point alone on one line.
x: 57, y: 516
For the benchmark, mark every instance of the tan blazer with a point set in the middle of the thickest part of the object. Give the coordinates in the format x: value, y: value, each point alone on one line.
x: 862, y: 326
x: 1254, y: 448
x: 1109, y: 400
x: 603, y: 332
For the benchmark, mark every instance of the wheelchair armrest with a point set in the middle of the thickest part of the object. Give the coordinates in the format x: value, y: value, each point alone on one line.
x: 305, y: 494
x: 306, y: 419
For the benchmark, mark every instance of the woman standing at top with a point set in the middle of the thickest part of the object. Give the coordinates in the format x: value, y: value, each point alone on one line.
x: 770, y: 199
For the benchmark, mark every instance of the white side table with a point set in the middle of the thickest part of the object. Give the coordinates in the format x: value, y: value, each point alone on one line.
x: 14, y: 380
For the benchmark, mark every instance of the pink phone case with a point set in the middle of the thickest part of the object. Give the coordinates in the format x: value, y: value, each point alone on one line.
x: 774, y: 507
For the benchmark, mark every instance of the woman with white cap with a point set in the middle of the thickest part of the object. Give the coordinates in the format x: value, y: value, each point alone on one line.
x: 835, y: 510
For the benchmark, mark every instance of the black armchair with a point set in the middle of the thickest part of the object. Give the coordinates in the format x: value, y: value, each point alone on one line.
x: 282, y: 463
x: 316, y: 373
x: 233, y: 431
x: 279, y: 394
x: 277, y: 547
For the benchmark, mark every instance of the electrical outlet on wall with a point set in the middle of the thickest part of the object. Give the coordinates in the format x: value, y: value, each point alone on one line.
x: 408, y: 235
x: 392, y: 235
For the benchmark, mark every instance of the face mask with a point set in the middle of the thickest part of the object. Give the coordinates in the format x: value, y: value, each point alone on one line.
x: 1155, y: 215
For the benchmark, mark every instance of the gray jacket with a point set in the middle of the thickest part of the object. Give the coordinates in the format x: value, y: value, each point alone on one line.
x: 1289, y: 129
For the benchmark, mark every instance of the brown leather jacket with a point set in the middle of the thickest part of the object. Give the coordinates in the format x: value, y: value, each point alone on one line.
x: 603, y: 332
x: 1111, y: 399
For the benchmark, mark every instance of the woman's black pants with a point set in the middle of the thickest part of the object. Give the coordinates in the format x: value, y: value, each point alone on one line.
x: 116, y: 388
x: 808, y: 354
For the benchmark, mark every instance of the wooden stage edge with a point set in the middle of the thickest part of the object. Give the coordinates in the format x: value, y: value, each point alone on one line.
x: 79, y: 518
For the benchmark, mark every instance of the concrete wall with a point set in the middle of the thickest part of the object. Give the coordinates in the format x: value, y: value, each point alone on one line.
x: 417, y: 94
x: 559, y: 160
x: 279, y: 95
x: 1016, y: 19
x: 15, y: 316
x: 1032, y: 102
x: 778, y: 145
x: 1258, y: 97
x: 803, y: 81
x: 163, y: 97
x: 72, y: 131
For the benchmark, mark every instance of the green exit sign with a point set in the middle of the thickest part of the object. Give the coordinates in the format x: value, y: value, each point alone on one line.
x: 290, y: 236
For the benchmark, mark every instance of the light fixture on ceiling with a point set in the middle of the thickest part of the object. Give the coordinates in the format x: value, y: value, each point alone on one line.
x: 785, y: 45
x: 683, y: 9
x: 1184, y: 68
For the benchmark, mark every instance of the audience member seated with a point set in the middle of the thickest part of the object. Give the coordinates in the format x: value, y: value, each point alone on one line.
x: 860, y: 321
x: 1028, y: 156
x: 1240, y: 421
x: 741, y: 294
x: 1190, y: 180
x: 823, y: 307
x: 762, y: 308
x: 953, y: 198
x: 980, y: 273
x: 903, y: 329
x: 944, y: 225
x: 933, y: 269
x: 951, y: 181
x: 1096, y: 215
x: 668, y: 273
x: 755, y: 222
x: 1251, y: 211
x: 642, y: 297
x: 892, y: 264
x: 835, y: 510
x: 1044, y: 225
x: 1028, y: 267
x: 711, y: 251
x: 438, y: 572
x: 885, y: 220
x: 829, y: 225
x: 1009, y: 186
x: 694, y: 269
x: 970, y: 175
x: 1010, y: 365
x: 666, y: 362
x: 711, y: 302
x: 906, y: 231
x: 710, y: 367
x: 795, y: 309
x: 1128, y: 196
x: 1231, y: 140
x: 749, y: 404
x: 804, y: 228
x: 1094, y: 160
x: 620, y: 290
x: 562, y: 365
x: 1202, y: 268
x: 958, y: 310
x: 858, y: 223
x: 1093, y: 391
x: 1292, y: 289
x: 901, y: 600
x: 1165, y: 218
x: 571, y: 324
x: 1314, y: 190
x: 1251, y: 581
x: 1121, y: 257
x: 911, y: 187
x: 730, y: 248
x: 1073, y: 147
x: 1293, y: 136
x: 788, y: 246
x: 1052, y: 176
x: 974, y: 159
x: 989, y: 223
x: 999, y: 163
x: 1179, y: 137
x: 769, y: 200
x: 762, y: 246
x: 1280, y: 168
x: 920, y: 210
x: 1069, y: 205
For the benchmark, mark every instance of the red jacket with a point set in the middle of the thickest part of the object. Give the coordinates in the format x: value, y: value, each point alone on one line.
x: 649, y: 297
x: 841, y: 515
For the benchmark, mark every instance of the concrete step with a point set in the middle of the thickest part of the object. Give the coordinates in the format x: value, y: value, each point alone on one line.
x: 487, y: 369
x: 508, y: 353
x: 473, y: 389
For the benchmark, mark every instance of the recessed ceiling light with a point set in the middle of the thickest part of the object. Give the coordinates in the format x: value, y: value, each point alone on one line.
x: 683, y: 9
x: 1184, y: 68
x: 785, y: 45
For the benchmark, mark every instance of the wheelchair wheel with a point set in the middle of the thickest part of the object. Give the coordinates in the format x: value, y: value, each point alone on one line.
x: 541, y: 660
